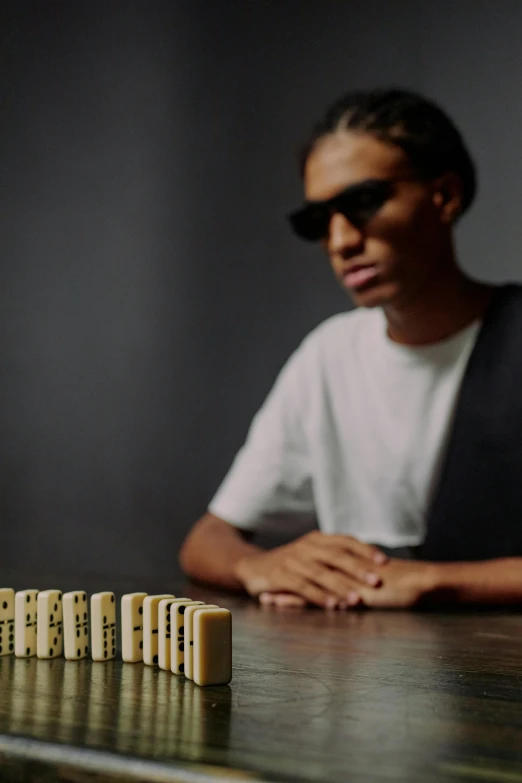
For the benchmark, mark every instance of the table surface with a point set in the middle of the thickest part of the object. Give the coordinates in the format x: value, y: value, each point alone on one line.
x: 357, y: 696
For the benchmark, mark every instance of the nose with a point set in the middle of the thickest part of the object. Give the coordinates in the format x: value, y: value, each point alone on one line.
x: 343, y: 237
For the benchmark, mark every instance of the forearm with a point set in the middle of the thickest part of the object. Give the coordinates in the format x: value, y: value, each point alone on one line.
x: 490, y: 581
x: 211, y: 551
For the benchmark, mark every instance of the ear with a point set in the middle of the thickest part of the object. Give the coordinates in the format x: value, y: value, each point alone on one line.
x: 447, y: 197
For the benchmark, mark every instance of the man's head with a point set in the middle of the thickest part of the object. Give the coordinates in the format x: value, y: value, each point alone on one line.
x: 386, y: 174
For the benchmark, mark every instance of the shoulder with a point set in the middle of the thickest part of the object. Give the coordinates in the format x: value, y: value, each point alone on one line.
x: 332, y: 344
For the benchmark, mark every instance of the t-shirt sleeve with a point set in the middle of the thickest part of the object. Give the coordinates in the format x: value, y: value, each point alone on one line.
x: 270, y: 477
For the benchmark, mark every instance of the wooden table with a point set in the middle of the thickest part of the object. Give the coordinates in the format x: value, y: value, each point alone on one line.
x: 362, y: 696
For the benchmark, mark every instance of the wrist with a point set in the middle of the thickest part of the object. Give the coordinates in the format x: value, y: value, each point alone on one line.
x: 436, y: 578
x: 243, y: 566
x: 447, y: 581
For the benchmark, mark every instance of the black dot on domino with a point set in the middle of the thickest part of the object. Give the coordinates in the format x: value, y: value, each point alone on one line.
x: 11, y: 647
x: 181, y: 647
x: 114, y: 651
x: 0, y: 648
x: 56, y: 607
x: 112, y: 599
x: 85, y: 615
x: 85, y: 631
x: 104, y: 620
x: 28, y: 651
x: 105, y: 645
x: 11, y: 629
x: 181, y: 610
x: 51, y: 653
x: 4, y: 605
x: 105, y: 634
x: 168, y: 627
x: 11, y: 637
x: 77, y: 633
x: 77, y: 618
x: 84, y: 597
x: 59, y: 630
x: 141, y: 646
x: 140, y: 610
x: 28, y: 618
x: 79, y: 652
x: 155, y: 659
x: 181, y: 630
x: 51, y: 618
x: 86, y: 650
x: 75, y: 599
x: 55, y: 641
x: 105, y: 653
x: 182, y: 667
x: 27, y: 598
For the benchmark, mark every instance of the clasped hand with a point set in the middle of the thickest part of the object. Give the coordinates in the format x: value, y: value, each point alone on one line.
x: 334, y: 571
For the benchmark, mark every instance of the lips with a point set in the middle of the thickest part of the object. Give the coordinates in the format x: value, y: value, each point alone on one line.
x: 358, y: 275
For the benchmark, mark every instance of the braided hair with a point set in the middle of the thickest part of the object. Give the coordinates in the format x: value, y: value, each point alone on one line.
x: 406, y: 119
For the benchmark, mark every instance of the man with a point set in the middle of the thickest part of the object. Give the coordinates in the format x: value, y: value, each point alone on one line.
x: 357, y: 426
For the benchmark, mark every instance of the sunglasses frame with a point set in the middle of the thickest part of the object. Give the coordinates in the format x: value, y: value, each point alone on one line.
x: 340, y: 203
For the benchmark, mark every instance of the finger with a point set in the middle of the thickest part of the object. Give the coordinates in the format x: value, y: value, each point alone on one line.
x: 361, y: 548
x: 335, y: 584
x: 292, y: 581
x: 352, y: 566
x: 267, y: 599
x: 282, y: 599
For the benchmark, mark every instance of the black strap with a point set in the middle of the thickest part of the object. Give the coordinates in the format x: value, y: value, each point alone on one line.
x: 476, y: 512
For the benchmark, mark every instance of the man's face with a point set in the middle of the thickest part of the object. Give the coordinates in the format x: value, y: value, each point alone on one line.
x: 403, y: 242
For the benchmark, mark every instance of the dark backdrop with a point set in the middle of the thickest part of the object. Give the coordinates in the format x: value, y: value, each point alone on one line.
x: 149, y: 287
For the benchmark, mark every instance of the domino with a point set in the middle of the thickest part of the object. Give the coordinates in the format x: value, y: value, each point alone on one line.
x: 49, y: 630
x: 7, y: 621
x: 212, y: 652
x: 75, y: 625
x: 132, y: 627
x: 177, y: 623
x: 26, y: 613
x: 103, y: 626
x: 150, y: 627
x: 164, y: 635
x: 189, y: 643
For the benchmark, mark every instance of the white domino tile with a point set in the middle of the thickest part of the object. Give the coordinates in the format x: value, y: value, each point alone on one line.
x: 26, y: 614
x: 75, y: 625
x: 103, y: 626
x: 7, y: 621
x: 212, y: 649
x: 132, y: 627
x: 189, y: 639
x: 49, y: 632
x: 164, y: 634
x: 177, y: 624
x: 150, y: 627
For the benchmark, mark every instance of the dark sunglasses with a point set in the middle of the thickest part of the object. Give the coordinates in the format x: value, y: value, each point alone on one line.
x: 358, y: 203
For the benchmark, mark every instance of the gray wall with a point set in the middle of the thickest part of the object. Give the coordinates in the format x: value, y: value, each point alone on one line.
x: 149, y: 287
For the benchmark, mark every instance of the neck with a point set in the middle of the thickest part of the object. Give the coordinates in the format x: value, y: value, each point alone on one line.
x: 443, y: 308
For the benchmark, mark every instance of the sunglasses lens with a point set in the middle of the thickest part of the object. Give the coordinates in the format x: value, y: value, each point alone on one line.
x: 360, y: 205
x: 310, y: 223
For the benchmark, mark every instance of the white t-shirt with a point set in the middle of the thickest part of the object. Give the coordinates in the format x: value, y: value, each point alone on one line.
x: 353, y: 432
